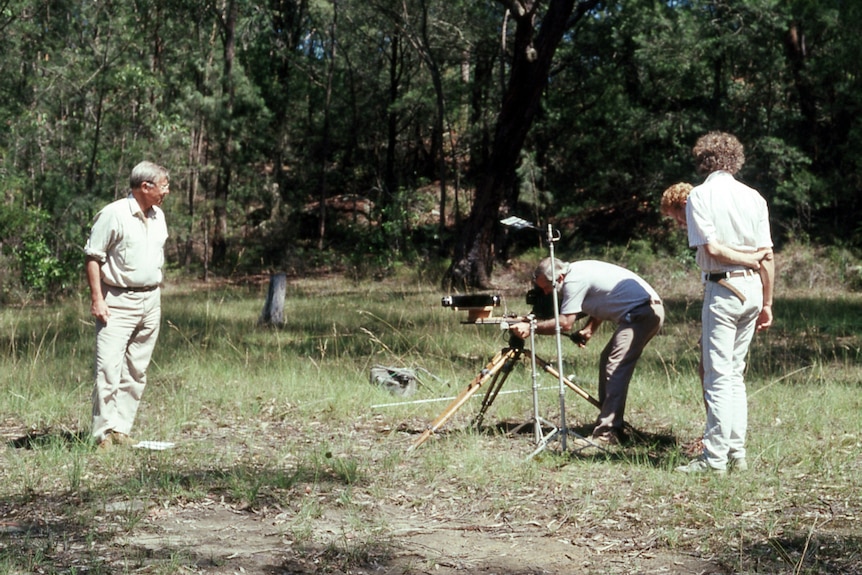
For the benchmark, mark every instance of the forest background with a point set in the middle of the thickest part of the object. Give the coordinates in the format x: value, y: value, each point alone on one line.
x: 303, y: 134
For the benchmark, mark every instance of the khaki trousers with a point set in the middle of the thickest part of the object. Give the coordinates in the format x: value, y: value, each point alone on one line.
x: 618, y: 361
x: 124, y: 347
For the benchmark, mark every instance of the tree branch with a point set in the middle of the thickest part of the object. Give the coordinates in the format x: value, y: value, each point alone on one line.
x: 515, y: 7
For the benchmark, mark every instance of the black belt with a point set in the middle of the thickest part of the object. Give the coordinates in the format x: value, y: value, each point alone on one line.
x: 136, y: 289
x: 718, y: 276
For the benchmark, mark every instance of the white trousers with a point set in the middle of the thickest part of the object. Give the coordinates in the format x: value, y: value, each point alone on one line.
x: 124, y: 347
x: 728, y: 327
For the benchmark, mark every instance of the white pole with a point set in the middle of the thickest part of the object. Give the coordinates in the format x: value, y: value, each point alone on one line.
x: 563, y: 429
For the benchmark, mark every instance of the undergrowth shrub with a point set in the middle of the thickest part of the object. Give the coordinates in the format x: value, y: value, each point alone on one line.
x: 800, y: 266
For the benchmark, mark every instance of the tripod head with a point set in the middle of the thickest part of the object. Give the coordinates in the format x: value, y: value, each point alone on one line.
x: 515, y: 342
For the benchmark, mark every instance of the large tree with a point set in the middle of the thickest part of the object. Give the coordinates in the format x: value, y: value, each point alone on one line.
x: 539, y: 30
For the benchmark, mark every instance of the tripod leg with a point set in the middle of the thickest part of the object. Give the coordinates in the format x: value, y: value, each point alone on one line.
x: 490, y: 370
x: 496, y: 384
x: 553, y: 371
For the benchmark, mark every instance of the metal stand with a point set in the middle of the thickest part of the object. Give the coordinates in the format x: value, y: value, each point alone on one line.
x: 538, y: 421
x: 500, y: 366
x: 564, y: 430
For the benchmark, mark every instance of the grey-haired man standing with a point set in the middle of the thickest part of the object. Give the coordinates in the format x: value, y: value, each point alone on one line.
x: 125, y: 256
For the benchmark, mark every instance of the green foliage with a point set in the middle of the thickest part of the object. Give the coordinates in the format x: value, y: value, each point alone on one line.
x: 31, y: 240
x: 326, y: 98
x: 803, y: 266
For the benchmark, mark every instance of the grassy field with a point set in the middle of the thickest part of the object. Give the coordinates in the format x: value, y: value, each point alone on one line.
x: 283, y: 427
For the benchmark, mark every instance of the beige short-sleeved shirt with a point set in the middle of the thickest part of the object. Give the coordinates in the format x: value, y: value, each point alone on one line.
x: 129, y: 244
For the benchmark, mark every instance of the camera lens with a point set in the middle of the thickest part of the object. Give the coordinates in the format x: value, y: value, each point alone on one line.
x: 471, y: 301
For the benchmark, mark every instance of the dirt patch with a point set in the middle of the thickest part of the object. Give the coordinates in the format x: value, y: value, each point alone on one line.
x: 222, y: 539
x: 321, y: 526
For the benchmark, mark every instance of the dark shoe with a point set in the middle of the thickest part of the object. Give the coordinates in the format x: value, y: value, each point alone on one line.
x: 593, y: 445
x: 608, y: 437
x: 585, y: 445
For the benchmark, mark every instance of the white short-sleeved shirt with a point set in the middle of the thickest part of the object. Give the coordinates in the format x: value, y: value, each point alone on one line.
x: 722, y: 209
x: 602, y: 290
x: 129, y: 244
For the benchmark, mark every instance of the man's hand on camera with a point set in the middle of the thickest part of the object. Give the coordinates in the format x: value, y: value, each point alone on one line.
x: 521, y: 329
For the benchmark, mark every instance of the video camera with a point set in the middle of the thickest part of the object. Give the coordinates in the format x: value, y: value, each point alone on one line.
x: 543, y: 308
x: 480, y: 306
x: 542, y: 303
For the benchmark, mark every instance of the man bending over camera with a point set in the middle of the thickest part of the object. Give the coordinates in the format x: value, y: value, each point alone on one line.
x: 604, y: 292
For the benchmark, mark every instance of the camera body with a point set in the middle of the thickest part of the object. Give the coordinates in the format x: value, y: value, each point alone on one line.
x: 542, y: 303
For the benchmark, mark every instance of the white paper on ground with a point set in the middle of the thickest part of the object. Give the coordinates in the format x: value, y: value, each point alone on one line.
x: 154, y: 445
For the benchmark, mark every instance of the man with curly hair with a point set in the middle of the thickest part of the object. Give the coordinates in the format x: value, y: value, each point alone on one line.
x: 726, y: 218
x: 673, y: 202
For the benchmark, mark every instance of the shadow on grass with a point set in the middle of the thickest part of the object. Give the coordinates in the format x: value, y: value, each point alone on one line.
x: 821, y: 551
x: 658, y: 450
x: 51, y: 439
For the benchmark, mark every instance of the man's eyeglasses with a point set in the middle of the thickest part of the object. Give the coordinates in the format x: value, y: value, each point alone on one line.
x: 164, y: 187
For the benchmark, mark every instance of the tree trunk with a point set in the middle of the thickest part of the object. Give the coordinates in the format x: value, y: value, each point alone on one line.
x: 798, y: 55
x: 421, y: 41
x: 437, y: 153
x: 391, y: 180
x: 473, y: 260
x: 225, y: 171
x: 325, y: 145
x: 273, y: 309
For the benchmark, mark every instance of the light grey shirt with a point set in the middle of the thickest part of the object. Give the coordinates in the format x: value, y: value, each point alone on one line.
x: 129, y: 244
x: 603, y: 291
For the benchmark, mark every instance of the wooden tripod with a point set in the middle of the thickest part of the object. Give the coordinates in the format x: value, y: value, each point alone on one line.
x: 497, y: 372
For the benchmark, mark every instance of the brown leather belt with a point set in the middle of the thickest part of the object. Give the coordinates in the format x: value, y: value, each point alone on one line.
x: 135, y: 289
x: 143, y: 288
x: 721, y: 279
